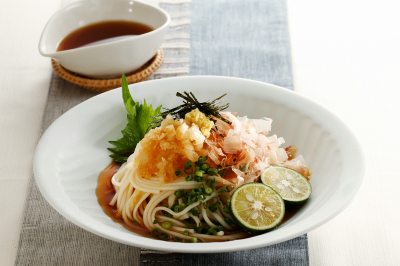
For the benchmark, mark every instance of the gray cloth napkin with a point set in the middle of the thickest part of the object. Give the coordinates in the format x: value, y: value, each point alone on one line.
x: 235, y: 38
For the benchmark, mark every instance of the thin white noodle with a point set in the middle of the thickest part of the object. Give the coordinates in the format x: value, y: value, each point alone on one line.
x: 142, y: 200
x: 196, y: 219
x: 182, y: 229
x: 205, y: 217
x: 219, y: 219
x: 171, y: 200
x: 162, y: 218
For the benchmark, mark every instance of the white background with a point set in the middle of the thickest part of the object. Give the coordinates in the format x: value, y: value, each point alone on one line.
x: 345, y: 55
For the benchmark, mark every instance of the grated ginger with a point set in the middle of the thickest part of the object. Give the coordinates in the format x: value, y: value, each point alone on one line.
x: 201, y: 120
x: 168, y: 147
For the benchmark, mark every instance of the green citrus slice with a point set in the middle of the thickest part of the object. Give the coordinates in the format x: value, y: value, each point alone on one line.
x: 293, y: 187
x: 257, y: 208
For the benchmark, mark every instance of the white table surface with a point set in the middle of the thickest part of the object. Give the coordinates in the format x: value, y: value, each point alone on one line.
x: 345, y: 55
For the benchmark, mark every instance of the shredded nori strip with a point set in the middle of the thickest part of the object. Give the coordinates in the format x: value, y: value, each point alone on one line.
x: 190, y: 103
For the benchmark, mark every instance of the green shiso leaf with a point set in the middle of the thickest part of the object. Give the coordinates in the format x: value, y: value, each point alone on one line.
x: 139, y: 118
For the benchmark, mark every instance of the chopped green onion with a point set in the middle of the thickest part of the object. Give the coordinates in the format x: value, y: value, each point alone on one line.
x: 178, y: 173
x: 219, y: 228
x: 188, y: 171
x: 222, y: 190
x: 211, y: 231
x: 199, y: 178
x: 243, y: 168
x: 204, y: 167
x: 196, y: 191
x: 188, y: 200
x: 177, y: 239
x: 155, y: 221
x: 211, y: 183
x: 230, y: 188
x: 228, y: 221
x: 208, y: 191
x: 180, y: 193
x: 202, y: 186
x: 196, y: 168
x: 189, y: 177
x: 188, y: 165
x: 166, y: 224
x: 221, y: 172
x: 165, y: 213
x: 206, y: 158
x: 196, y: 212
x: 203, y: 224
x: 176, y: 209
x: 186, y: 232
x: 182, y: 206
x: 212, y: 171
x: 213, y: 207
x: 155, y: 232
x: 199, y: 173
x: 164, y: 236
x: 200, y: 161
x: 193, y: 240
x: 226, y: 209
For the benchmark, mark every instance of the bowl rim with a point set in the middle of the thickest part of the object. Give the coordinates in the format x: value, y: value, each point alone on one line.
x: 243, y: 244
x: 44, y: 34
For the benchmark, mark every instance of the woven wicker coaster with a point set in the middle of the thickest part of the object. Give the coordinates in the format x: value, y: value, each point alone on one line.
x: 102, y: 85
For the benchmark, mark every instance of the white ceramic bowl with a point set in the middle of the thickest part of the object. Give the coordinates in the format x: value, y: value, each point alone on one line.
x: 106, y: 60
x: 73, y: 151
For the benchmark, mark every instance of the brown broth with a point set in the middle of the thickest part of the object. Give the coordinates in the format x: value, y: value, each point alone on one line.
x: 101, y: 31
x: 105, y: 192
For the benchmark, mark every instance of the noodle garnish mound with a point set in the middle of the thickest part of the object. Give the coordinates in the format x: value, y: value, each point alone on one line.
x: 168, y: 147
x: 178, y: 179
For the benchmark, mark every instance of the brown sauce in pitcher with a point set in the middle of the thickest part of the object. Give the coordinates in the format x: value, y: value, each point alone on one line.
x: 101, y: 31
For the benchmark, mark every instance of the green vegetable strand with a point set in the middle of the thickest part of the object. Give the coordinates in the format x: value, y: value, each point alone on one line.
x: 155, y: 232
x: 164, y: 236
x: 166, y: 224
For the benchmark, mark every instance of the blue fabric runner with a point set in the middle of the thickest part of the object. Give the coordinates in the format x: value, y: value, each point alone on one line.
x: 247, y: 39
x: 241, y: 38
